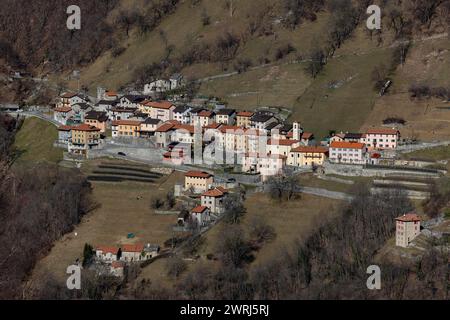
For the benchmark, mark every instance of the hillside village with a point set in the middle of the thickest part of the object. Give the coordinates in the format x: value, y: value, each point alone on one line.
x: 198, y: 136
x: 226, y: 150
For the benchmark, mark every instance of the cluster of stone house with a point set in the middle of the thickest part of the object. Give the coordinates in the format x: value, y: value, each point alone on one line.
x: 176, y: 81
x: 258, y: 140
x: 117, y: 257
x: 212, y: 198
x: 362, y: 148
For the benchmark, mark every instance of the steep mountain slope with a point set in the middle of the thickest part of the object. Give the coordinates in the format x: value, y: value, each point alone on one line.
x: 271, y: 44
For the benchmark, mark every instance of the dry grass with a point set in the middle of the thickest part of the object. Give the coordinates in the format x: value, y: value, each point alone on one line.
x: 120, y: 213
x: 433, y: 154
x: 291, y: 221
x: 34, y: 142
x: 428, y: 62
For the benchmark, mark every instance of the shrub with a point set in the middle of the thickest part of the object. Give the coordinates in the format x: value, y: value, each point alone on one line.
x: 117, y: 51
x: 283, y: 51
x: 242, y: 65
x: 156, y: 203
x: 175, y: 267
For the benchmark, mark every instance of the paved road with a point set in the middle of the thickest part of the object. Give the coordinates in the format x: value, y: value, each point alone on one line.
x: 37, y: 115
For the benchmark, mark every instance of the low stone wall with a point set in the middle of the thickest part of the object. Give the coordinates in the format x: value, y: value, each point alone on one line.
x: 162, y: 170
x: 334, y: 179
x: 135, y: 142
x: 242, y: 178
x: 412, y: 194
x: 166, y: 212
x: 364, y: 171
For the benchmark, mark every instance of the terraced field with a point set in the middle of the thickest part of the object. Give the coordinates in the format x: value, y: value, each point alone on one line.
x: 116, y: 172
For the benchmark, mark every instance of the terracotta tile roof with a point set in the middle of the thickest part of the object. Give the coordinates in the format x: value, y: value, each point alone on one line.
x: 381, y: 131
x: 216, y: 192
x: 306, y: 135
x: 281, y: 142
x: 165, y: 127
x: 160, y: 104
x: 106, y: 249
x: 198, y: 174
x: 232, y: 129
x: 138, y: 247
x: 85, y: 127
x: 199, y: 209
x: 111, y: 93
x: 65, y: 128
x: 310, y: 149
x: 340, y: 135
x: 213, y: 125
x: 206, y: 113
x: 126, y: 123
x: 247, y: 114
x: 347, y: 145
x: 185, y: 127
x: 63, y: 109
x: 68, y: 95
x: 409, y: 217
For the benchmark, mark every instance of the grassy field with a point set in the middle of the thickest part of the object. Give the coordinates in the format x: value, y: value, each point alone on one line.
x: 291, y: 221
x: 34, y: 142
x: 428, y: 119
x: 310, y: 180
x: 433, y: 154
x: 124, y: 208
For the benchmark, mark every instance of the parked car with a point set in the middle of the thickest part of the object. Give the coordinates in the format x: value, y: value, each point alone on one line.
x: 121, y: 154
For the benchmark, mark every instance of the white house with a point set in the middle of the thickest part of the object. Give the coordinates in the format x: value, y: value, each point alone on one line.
x: 80, y: 110
x: 348, y: 152
x: 201, y: 214
x: 62, y: 114
x: 163, y: 134
x: 282, y: 146
x: 132, y: 252
x: 183, y: 133
x: 383, y: 138
x: 131, y: 101
x: 214, y: 199
x: 121, y: 113
x: 265, y: 165
x: 204, y: 117
x: 69, y: 99
x: 226, y: 116
x: 149, y: 126
x: 262, y: 120
x: 107, y: 254
x: 106, y: 106
x: 162, y: 110
x: 176, y: 81
x: 64, y: 134
x: 407, y: 228
x: 182, y: 114
x: 157, y: 86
